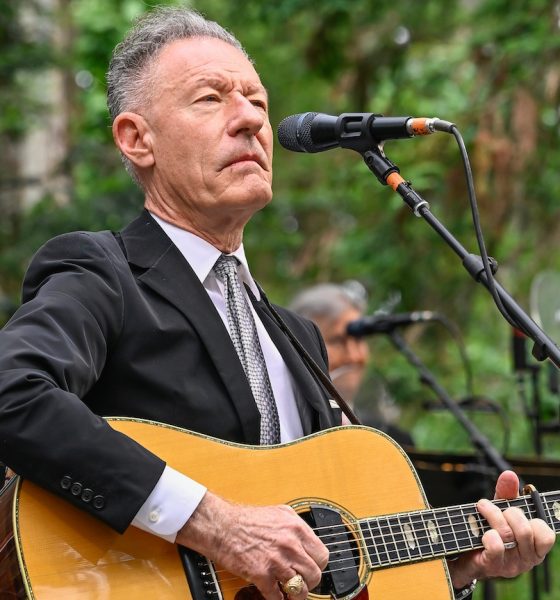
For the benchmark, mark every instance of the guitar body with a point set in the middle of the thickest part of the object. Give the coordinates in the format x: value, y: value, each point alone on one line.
x: 65, y: 553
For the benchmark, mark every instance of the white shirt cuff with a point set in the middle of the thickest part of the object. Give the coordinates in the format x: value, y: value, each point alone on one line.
x: 170, y: 505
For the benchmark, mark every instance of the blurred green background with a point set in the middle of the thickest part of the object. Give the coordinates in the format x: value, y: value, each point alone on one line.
x: 490, y: 66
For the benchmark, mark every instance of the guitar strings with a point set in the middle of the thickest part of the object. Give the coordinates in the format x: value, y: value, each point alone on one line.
x: 443, y: 517
x: 377, y: 542
x: 400, y: 538
x: 446, y: 512
x: 407, y: 560
x: 383, y: 544
x: 392, y: 547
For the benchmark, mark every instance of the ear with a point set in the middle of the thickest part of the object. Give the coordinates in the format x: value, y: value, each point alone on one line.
x: 132, y: 135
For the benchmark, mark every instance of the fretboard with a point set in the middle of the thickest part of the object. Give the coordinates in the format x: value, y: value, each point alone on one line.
x: 421, y: 535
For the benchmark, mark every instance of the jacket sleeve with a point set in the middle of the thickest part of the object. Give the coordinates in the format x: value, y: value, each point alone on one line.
x: 52, y: 352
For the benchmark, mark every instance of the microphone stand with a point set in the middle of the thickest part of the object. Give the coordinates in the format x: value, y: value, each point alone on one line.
x: 544, y: 347
x: 478, y: 439
x: 387, y: 173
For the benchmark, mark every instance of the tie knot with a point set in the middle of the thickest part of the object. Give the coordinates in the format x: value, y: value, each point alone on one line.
x: 226, y: 266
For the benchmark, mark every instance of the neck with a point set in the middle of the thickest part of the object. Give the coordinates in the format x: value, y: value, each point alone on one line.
x: 419, y: 535
x: 225, y: 237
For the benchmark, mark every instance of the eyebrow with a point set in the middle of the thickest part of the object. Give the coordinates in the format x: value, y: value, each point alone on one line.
x: 220, y: 83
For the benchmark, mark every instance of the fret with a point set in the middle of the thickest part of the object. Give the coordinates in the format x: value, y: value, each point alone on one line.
x: 425, y: 548
x: 400, y: 540
x: 462, y: 535
x: 370, y: 542
x: 472, y: 528
x: 419, y: 535
x: 552, y: 500
x: 433, y: 533
x: 482, y: 524
x: 550, y: 520
x: 524, y: 503
x: 410, y: 530
x: 446, y: 530
x: 378, y: 542
x: 528, y: 512
x: 389, y: 538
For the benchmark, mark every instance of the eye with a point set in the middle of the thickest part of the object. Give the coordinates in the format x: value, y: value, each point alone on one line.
x: 210, y: 98
x: 260, y: 104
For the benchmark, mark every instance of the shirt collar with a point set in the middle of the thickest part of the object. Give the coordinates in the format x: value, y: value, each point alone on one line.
x: 202, y: 256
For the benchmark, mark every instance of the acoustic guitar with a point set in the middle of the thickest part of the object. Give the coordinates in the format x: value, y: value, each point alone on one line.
x: 353, y: 485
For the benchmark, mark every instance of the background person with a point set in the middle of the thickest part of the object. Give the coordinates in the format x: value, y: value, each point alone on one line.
x: 332, y: 307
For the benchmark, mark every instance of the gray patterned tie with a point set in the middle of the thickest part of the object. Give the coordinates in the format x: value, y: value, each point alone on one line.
x: 244, y: 336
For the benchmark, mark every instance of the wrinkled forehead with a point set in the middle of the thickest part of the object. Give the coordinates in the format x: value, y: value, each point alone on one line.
x: 205, y: 59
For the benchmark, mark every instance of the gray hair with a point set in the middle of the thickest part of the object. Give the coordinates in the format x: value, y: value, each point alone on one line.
x: 327, y: 301
x: 129, y: 75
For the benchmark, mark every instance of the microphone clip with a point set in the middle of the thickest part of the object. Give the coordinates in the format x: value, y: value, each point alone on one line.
x: 379, y: 164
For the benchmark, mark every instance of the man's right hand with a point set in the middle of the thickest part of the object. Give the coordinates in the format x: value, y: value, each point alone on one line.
x: 262, y: 544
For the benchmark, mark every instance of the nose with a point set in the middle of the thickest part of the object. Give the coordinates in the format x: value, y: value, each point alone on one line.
x: 245, y: 117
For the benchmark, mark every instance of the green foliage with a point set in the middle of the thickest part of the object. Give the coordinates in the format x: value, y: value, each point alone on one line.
x: 20, y: 56
x: 491, y: 66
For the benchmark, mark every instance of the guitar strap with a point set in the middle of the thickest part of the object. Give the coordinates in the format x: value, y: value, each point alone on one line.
x: 308, y: 360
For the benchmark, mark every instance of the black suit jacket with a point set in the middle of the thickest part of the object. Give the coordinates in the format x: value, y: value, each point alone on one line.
x: 121, y: 326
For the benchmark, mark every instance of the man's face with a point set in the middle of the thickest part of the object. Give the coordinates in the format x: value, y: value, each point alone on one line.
x: 210, y: 133
x: 347, y: 355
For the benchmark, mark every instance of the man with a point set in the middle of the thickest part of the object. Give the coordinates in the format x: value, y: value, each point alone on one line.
x: 138, y: 324
x: 332, y: 307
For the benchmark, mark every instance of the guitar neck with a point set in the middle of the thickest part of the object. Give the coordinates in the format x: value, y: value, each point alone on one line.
x: 402, y: 538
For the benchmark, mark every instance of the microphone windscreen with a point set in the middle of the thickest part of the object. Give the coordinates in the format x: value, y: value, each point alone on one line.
x: 294, y: 132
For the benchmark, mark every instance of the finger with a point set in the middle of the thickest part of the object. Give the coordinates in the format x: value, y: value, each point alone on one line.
x: 496, y: 520
x: 314, y: 556
x: 285, y: 582
x: 317, y: 550
x: 544, y: 538
x: 307, y: 567
x: 534, y: 538
x: 522, y: 532
x: 302, y: 596
x: 507, y: 486
x: 493, y: 547
x: 270, y: 590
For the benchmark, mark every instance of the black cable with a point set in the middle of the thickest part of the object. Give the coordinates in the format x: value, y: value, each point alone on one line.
x: 478, y: 231
x: 456, y: 335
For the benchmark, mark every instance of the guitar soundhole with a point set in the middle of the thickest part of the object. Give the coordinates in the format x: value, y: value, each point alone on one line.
x: 341, y: 577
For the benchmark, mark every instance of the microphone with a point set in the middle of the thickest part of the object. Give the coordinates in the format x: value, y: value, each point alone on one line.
x: 317, y: 132
x: 386, y: 323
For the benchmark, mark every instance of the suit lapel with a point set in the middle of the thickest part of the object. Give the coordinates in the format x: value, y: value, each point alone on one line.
x: 161, y: 267
x: 314, y: 410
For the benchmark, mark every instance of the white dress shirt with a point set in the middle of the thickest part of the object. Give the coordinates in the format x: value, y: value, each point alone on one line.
x: 176, y: 496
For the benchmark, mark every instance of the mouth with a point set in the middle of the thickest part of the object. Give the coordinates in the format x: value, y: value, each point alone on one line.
x: 247, y: 158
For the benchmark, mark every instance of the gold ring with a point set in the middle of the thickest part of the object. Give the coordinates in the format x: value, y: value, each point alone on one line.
x: 510, y: 545
x: 294, y: 585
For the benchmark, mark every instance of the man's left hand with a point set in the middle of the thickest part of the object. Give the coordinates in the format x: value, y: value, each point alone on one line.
x: 533, y: 537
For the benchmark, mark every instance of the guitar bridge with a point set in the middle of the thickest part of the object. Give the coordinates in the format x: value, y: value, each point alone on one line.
x: 201, y: 575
